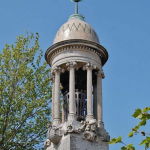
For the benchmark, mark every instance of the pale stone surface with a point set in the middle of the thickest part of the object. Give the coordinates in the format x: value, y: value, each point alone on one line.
x: 76, y: 29
x: 99, y: 99
x: 80, y: 55
x: 89, y: 67
x: 72, y: 91
x: 95, y: 100
x: 71, y: 68
x: 83, y: 48
x: 89, y: 94
x: 63, y: 114
x: 100, y: 75
x: 53, y: 98
x: 76, y: 142
x: 84, y: 130
x: 56, y: 120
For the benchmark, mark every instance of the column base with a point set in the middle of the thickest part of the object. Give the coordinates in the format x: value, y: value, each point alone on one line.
x: 71, y: 117
x: 56, y: 122
x: 100, y: 124
x: 89, y: 117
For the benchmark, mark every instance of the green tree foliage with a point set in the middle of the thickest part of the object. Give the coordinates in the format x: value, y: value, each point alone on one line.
x: 144, y: 116
x: 25, y: 95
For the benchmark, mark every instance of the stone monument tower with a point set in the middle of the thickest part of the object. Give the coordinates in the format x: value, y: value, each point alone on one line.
x: 76, y: 59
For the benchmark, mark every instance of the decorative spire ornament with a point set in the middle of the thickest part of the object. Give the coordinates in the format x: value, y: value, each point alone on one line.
x: 76, y: 1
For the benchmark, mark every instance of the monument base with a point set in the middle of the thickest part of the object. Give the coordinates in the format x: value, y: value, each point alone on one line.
x: 76, y: 142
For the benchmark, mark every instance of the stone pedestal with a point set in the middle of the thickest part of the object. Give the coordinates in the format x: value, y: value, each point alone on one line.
x: 74, y: 135
x: 76, y: 142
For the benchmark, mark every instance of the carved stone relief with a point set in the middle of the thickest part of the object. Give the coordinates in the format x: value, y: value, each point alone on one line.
x: 87, y: 129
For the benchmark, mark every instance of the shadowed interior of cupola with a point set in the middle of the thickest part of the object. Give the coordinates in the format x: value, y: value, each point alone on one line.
x: 80, y: 93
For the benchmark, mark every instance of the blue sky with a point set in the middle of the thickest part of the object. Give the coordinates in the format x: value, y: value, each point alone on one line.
x: 123, y: 27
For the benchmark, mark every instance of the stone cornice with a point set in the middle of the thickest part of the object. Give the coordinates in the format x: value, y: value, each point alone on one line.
x: 76, y: 44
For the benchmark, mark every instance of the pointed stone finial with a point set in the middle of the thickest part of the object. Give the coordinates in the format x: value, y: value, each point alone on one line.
x: 76, y: 10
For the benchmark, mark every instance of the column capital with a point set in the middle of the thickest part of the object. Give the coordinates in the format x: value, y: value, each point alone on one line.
x: 58, y: 69
x: 89, y: 66
x: 72, y: 64
x: 100, y: 73
x: 52, y: 78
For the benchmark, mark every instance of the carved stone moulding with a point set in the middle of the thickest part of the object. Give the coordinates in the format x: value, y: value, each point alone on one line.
x: 57, y: 68
x: 54, y: 135
x: 47, y: 143
x: 90, y: 136
x: 88, y: 130
x: 80, y: 63
x: 76, y: 44
x: 76, y: 65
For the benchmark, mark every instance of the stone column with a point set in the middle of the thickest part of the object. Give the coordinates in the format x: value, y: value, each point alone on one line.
x: 89, y: 67
x: 63, y: 113
x: 56, y: 120
x: 95, y: 100
x: 52, y: 79
x: 100, y: 75
x: 71, y: 67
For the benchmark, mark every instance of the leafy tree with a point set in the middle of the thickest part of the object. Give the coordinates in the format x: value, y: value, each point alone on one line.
x: 144, y: 116
x: 25, y: 95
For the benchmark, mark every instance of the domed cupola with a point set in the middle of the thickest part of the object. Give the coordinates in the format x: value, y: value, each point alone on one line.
x: 76, y: 28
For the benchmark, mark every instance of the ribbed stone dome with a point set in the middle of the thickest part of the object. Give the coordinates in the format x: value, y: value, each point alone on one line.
x: 76, y: 28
